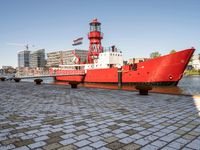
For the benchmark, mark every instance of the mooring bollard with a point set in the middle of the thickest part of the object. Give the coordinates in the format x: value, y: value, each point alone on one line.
x: 38, y: 81
x: 17, y: 79
x: 2, y: 78
x: 143, y: 89
x: 74, y: 84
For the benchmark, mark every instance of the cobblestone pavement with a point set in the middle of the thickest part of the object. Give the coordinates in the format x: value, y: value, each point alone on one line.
x: 57, y: 117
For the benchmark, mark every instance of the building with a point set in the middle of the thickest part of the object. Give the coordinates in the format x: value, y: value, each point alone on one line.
x: 23, y: 58
x: 74, y: 56
x: 66, y: 57
x: 54, y: 59
x: 37, y: 58
x: 8, y: 70
x: 196, y: 62
x: 136, y: 60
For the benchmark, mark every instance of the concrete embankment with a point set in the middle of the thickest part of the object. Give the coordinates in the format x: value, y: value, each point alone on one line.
x: 58, y: 117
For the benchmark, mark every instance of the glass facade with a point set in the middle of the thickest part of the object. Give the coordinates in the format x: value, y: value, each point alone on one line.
x: 23, y: 58
x: 37, y: 58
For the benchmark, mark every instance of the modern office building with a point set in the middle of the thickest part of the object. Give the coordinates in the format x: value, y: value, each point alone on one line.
x: 54, y: 59
x: 66, y: 57
x: 37, y: 58
x: 23, y: 58
x: 74, y: 56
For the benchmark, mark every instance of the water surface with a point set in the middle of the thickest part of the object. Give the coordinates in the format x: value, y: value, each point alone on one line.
x: 189, y: 85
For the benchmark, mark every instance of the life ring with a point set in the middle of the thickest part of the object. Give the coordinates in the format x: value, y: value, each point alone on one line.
x: 170, y: 77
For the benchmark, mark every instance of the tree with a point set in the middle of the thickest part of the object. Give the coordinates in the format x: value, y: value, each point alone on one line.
x: 155, y: 54
x: 172, y: 51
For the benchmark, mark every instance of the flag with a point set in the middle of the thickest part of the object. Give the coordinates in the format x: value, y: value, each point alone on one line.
x: 77, y: 41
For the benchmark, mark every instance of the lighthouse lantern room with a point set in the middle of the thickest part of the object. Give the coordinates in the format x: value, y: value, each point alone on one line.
x: 95, y: 36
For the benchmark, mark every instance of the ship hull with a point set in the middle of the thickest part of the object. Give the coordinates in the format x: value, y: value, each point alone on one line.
x: 165, y: 70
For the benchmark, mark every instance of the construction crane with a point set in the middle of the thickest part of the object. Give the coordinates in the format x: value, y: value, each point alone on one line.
x: 21, y: 45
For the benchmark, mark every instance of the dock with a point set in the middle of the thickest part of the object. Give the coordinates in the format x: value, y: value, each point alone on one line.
x: 57, y: 117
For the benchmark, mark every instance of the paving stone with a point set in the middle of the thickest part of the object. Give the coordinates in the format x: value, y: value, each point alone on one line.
x: 80, y: 132
x: 127, y: 140
x: 37, y: 145
x: 7, y: 147
x: 193, y: 133
x: 22, y: 148
x: 56, y: 130
x: 69, y: 130
x: 95, y: 138
x: 82, y: 143
x: 142, y: 142
x: 145, y: 132
x: 104, y: 148
x: 150, y: 138
x: 52, y: 146
x: 10, y: 141
x: 149, y: 147
x: 98, y: 144
x: 67, y: 136
x: 115, y: 145
x: 131, y: 146
x: 130, y: 132
x: 110, y: 139
x: 68, y: 147
x: 81, y: 137
x: 121, y: 135
x: 188, y: 137
x: 23, y: 142
x: 117, y: 131
x: 136, y: 136
x: 30, y: 136
x: 159, y: 134
x: 180, y: 132
x: 43, y: 133
x: 194, y: 144
x: 41, y: 138
x: 159, y: 143
x: 86, y: 148
x: 55, y: 134
x: 168, y: 148
x: 53, y: 140
x: 32, y: 131
x: 68, y: 141
x: 183, y: 141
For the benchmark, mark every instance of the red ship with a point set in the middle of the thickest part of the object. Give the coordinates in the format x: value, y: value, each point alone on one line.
x: 106, y: 66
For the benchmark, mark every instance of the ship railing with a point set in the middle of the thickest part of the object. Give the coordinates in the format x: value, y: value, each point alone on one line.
x: 109, y: 49
x: 51, y: 74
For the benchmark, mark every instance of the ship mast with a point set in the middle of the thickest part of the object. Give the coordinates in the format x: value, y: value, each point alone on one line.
x: 95, y: 36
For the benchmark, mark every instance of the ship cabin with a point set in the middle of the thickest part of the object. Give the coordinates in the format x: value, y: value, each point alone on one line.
x: 107, y: 59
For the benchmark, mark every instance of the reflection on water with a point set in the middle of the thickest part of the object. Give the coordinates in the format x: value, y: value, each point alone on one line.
x: 171, y: 90
x: 188, y: 85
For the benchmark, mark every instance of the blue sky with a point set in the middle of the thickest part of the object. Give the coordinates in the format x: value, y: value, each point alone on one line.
x: 137, y: 27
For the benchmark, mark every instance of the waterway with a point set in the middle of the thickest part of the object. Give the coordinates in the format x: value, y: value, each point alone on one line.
x: 189, y: 85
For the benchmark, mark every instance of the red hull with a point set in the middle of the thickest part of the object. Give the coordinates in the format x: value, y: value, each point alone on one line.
x: 164, y: 70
